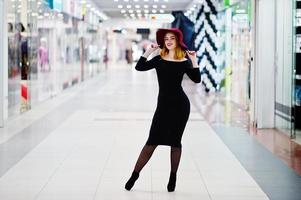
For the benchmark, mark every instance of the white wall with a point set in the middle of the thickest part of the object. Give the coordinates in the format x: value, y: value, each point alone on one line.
x: 3, y: 63
x: 252, y: 70
x: 264, y: 96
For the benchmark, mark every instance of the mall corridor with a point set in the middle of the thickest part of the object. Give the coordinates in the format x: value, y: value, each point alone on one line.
x: 85, y: 85
x: 85, y: 145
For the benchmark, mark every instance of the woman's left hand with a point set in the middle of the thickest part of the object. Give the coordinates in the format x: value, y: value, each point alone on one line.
x: 191, y: 55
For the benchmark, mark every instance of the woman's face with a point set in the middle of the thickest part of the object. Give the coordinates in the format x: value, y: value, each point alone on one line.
x: 170, y: 41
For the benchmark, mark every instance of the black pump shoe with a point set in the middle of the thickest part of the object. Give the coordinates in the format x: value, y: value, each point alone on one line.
x: 172, y: 182
x: 131, y: 181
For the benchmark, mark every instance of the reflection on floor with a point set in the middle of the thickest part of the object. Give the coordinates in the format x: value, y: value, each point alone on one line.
x: 218, y: 110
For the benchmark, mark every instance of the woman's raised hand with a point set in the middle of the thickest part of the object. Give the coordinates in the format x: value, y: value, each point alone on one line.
x: 191, y: 55
x: 151, y: 48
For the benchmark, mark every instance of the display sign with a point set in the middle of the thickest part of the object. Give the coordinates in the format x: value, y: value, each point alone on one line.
x: 57, y: 5
x: 54, y: 4
x: 227, y: 3
x: 46, y: 3
x: 230, y: 2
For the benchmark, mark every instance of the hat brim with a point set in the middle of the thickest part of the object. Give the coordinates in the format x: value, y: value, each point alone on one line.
x: 161, y: 33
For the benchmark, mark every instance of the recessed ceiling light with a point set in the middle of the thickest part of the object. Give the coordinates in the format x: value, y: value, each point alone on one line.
x: 145, y: 6
x: 125, y: 0
x: 155, y: 6
x: 146, y: 0
x: 138, y: 11
x: 137, y: 6
x: 156, y: 0
x: 123, y: 11
x: 116, y: 0
x: 128, y: 6
x: 166, y: 0
x: 146, y: 11
x: 161, y: 11
x: 163, y: 6
x: 131, y: 11
x: 120, y: 6
x: 154, y: 11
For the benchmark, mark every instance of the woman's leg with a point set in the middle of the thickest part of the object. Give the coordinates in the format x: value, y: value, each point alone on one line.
x: 175, y: 157
x: 144, y: 157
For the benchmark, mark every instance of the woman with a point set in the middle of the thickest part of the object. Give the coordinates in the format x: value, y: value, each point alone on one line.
x: 173, y: 106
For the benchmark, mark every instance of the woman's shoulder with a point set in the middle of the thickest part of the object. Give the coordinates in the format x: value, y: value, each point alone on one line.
x: 184, y: 60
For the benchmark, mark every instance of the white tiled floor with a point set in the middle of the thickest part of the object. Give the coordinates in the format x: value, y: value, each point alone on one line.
x: 92, y: 154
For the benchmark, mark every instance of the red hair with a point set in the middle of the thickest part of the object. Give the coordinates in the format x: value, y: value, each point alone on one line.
x: 179, y: 52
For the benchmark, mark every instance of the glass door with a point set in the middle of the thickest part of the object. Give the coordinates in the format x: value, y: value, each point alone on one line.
x: 283, y: 66
x: 296, y: 73
x: 17, y: 55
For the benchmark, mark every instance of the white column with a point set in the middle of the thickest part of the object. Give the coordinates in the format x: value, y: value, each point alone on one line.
x: 265, y: 64
x: 252, y: 70
x: 228, y: 39
x: 3, y: 63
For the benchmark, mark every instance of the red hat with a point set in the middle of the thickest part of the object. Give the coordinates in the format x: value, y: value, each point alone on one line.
x: 161, y: 33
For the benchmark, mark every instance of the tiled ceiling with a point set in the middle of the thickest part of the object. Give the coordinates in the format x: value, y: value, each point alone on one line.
x: 122, y: 8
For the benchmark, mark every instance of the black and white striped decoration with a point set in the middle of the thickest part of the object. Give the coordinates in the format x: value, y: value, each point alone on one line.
x: 207, y: 43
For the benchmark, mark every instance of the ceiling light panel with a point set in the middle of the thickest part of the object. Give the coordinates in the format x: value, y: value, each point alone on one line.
x: 113, y: 8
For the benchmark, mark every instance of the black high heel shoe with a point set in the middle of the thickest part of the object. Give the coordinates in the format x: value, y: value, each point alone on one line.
x: 172, y: 182
x: 130, y: 183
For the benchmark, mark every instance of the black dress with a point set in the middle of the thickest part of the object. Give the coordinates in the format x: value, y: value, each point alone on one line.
x: 173, y: 105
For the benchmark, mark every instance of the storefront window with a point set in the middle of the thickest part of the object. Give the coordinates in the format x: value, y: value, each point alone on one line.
x: 241, y: 51
x: 18, y: 68
x: 236, y: 52
x: 51, y: 46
